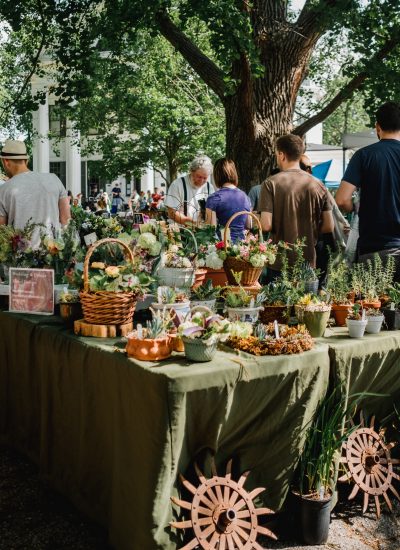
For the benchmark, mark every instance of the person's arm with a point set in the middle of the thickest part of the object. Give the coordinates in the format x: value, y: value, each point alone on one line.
x: 266, y: 204
x: 178, y: 217
x: 3, y: 220
x: 64, y: 210
x: 327, y: 223
x: 266, y: 221
x: 344, y: 196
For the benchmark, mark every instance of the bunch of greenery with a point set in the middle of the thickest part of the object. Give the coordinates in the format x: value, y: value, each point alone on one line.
x: 113, y: 278
x: 168, y: 295
x: 372, y: 279
x: 205, y: 291
x: 338, y: 284
x: 394, y: 294
x: 355, y: 313
x: 324, y: 438
x: 292, y: 276
x: 277, y: 293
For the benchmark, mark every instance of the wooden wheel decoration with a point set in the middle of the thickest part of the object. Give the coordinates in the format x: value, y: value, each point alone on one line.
x: 369, y: 464
x: 222, y: 513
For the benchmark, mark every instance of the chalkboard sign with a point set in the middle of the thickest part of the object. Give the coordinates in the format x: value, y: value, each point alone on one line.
x: 32, y: 290
x: 138, y: 218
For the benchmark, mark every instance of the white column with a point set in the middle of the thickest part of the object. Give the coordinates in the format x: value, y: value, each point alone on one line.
x: 41, y: 145
x: 148, y: 179
x: 73, y: 159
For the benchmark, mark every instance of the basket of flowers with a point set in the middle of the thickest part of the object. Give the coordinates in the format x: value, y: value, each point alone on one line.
x: 109, y: 294
x: 248, y: 256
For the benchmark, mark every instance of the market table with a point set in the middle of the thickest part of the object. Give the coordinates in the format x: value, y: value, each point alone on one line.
x: 112, y: 433
x: 369, y: 364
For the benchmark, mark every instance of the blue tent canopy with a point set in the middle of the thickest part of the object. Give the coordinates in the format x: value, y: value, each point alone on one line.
x: 321, y: 170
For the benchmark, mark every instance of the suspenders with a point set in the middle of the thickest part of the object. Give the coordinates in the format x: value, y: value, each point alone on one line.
x: 185, y: 195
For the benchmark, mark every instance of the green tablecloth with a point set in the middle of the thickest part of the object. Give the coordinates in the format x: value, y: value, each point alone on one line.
x: 369, y: 364
x: 112, y: 433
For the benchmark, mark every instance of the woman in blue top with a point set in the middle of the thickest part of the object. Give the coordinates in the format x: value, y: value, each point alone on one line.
x: 228, y: 200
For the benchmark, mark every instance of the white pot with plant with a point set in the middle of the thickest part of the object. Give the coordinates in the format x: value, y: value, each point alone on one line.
x: 175, y: 299
x: 201, y: 333
x: 356, y: 321
x: 242, y: 306
x: 375, y: 319
x: 175, y: 270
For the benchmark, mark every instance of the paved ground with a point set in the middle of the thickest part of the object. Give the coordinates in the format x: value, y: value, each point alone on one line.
x: 33, y: 517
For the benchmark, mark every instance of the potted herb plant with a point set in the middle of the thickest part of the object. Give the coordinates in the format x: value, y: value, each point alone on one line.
x: 392, y: 311
x: 175, y: 269
x: 310, y: 278
x: 324, y: 439
x: 201, y: 334
x: 338, y: 289
x: 151, y: 343
x: 205, y: 295
x: 375, y: 319
x: 356, y: 321
x: 314, y: 313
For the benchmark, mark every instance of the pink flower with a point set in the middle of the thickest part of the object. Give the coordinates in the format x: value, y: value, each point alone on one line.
x: 262, y: 247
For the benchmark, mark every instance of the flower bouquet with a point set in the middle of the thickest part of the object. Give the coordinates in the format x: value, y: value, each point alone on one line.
x: 248, y: 256
x: 201, y: 334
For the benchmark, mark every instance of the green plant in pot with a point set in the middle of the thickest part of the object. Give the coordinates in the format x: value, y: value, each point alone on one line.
x: 276, y: 303
x: 201, y: 334
x: 392, y: 311
x: 205, y: 295
x: 241, y: 305
x: 172, y: 299
x: 70, y: 307
x: 356, y: 321
x: 324, y: 438
x: 314, y: 313
x: 338, y: 288
x: 153, y: 342
x: 309, y: 276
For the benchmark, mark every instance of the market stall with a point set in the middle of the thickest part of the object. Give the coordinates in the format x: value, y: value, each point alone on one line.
x: 112, y: 433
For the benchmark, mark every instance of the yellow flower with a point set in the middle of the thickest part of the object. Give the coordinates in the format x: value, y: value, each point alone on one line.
x: 112, y: 271
x: 98, y: 265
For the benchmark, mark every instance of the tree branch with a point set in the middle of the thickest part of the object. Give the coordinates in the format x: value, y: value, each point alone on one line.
x: 347, y: 91
x: 203, y: 65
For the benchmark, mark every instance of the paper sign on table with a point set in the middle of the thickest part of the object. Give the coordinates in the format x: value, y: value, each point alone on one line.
x: 32, y: 290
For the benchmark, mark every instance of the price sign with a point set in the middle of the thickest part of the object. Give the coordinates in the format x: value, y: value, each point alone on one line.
x: 32, y: 290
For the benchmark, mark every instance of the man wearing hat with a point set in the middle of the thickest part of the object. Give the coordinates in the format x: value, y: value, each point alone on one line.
x: 40, y: 198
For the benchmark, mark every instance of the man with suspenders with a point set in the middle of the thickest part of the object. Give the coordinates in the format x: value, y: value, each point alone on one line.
x: 186, y: 195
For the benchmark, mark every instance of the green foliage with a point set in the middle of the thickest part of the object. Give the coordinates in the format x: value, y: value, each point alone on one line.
x: 372, y: 279
x: 206, y: 291
x: 338, y: 284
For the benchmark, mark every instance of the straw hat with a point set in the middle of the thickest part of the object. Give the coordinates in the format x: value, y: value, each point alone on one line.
x: 14, y: 150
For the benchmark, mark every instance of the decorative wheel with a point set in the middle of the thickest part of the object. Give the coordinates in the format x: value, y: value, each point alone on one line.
x: 369, y: 464
x: 222, y: 513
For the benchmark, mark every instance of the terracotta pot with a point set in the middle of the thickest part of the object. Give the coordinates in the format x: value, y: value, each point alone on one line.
x: 340, y: 312
x: 351, y: 296
x: 71, y: 312
x: 177, y: 344
x: 200, y: 275
x: 216, y: 276
x: 149, y: 350
x: 371, y: 305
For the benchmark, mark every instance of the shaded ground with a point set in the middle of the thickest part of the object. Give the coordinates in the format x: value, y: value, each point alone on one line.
x: 32, y: 516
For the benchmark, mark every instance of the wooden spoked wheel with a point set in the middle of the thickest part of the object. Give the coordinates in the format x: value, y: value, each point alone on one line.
x: 369, y: 465
x: 222, y: 513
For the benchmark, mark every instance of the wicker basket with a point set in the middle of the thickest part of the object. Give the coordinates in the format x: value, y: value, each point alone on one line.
x: 103, y: 307
x: 197, y: 350
x: 250, y: 274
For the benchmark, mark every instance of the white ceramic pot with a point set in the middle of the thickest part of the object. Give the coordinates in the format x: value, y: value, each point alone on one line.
x: 374, y: 323
x: 249, y: 314
x: 356, y: 328
x: 176, y: 277
x: 203, y: 303
x: 181, y: 308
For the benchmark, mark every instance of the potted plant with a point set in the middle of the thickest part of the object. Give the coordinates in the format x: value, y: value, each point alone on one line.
x: 310, y: 277
x: 70, y: 307
x: 314, y: 313
x: 205, y: 295
x: 338, y: 289
x: 277, y: 302
x: 175, y: 299
x: 151, y: 343
x: 175, y: 269
x: 201, y: 334
x: 356, y: 321
x: 375, y: 319
x: 324, y: 439
x: 241, y: 305
x: 392, y: 311
x: 371, y: 280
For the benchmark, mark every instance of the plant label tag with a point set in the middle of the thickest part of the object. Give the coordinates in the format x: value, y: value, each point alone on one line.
x: 90, y: 239
x: 276, y: 327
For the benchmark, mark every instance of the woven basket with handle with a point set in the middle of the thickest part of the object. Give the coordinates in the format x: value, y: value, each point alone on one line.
x: 250, y: 274
x: 105, y: 307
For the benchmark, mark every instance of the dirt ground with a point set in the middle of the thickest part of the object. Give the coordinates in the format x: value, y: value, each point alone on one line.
x: 33, y: 516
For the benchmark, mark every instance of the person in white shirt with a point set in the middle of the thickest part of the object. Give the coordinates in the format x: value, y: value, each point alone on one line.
x: 186, y: 196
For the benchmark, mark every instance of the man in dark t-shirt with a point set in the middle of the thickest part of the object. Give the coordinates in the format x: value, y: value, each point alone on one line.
x: 293, y: 203
x: 375, y: 171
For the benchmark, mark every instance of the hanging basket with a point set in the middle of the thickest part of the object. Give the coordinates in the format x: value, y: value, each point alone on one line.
x: 250, y: 274
x: 104, y: 307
